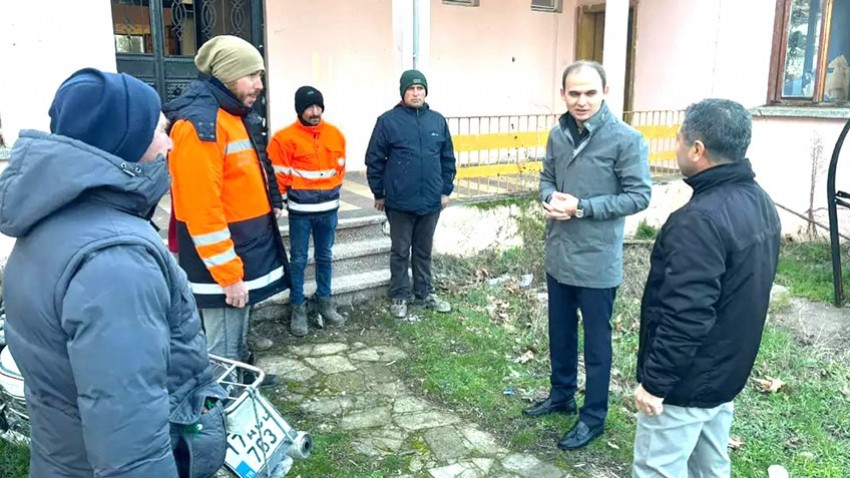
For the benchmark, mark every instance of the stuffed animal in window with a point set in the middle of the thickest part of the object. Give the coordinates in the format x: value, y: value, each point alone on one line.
x: 837, y: 87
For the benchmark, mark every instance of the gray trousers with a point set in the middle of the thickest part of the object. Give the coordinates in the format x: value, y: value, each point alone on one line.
x: 412, y: 238
x: 227, y: 331
x: 684, y: 443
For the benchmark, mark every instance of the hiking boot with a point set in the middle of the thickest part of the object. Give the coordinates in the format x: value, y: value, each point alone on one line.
x: 298, y: 324
x: 258, y: 342
x: 432, y: 302
x: 329, y: 314
x: 399, y: 308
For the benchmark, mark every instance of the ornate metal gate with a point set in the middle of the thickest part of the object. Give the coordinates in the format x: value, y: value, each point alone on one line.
x: 156, y: 40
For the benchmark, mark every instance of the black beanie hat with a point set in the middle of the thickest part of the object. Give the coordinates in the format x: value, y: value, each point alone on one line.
x: 307, y: 96
x: 410, y: 78
x: 116, y: 113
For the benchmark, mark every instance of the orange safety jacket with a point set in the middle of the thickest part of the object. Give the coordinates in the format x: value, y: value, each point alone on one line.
x: 309, y: 163
x: 226, y: 230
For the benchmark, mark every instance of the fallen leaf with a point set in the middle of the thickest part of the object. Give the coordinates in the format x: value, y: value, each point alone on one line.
x: 613, y: 445
x: 525, y: 357
x: 735, y: 443
x: 769, y: 384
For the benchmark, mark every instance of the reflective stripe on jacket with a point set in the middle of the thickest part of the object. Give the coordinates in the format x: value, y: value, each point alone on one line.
x: 225, y: 226
x: 309, y: 163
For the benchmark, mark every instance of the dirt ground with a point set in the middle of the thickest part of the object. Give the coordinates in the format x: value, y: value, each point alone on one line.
x: 822, y: 326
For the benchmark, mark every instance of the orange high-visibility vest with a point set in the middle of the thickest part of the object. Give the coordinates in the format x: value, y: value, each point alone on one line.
x: 221, y: 203
x: 309, y: 163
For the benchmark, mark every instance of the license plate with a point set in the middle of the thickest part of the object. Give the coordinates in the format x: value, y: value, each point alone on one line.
x: 255, y: 435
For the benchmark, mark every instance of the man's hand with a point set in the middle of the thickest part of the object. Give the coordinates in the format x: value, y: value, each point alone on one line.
x: 567, y: 202
x: 379, y: 204
x: 236, y: 295
x: 648, y: 403
x: 444, y: 201
x: 555, y: 212
x: 278, y: 213
x: 561, y: 206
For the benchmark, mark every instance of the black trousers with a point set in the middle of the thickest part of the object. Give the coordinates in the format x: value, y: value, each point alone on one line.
x: 596, y: 306
x: 412, y: 238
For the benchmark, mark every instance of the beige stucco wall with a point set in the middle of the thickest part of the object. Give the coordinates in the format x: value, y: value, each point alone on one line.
x: 499, y: 58
x: 41, y: 44
x: 343, y: 48
x: 695, y: 49
x: 782, y: 154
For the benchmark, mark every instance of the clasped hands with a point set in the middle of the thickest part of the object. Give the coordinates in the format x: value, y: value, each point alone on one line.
x: 561, y: 206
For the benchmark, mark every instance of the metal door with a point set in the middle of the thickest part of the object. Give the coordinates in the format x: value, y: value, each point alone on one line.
x: 156, y: 40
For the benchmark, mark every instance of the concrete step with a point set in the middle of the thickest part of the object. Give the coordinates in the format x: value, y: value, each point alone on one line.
x: 345, y: 290
x: 348, y: 229
x: 354, y: 257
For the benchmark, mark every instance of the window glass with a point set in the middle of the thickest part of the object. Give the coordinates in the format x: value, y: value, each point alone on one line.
x: 803, y: 42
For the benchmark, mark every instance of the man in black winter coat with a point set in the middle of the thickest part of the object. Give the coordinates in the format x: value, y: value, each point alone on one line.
x: 705, y: 301
x: 410, y: 165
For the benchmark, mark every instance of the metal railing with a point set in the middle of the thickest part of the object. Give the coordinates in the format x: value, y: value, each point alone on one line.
x: 499, y: 155
x: 502, y: 155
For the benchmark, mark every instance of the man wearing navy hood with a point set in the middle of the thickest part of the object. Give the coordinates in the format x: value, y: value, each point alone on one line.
x: 100, y: 318
x: 410, y: 165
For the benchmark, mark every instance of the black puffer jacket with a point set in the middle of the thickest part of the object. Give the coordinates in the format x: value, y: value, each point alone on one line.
x: 708, y: 290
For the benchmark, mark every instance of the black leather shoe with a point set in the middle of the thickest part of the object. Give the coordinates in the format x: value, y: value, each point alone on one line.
x: 547, y: 406
x: 579, y: 436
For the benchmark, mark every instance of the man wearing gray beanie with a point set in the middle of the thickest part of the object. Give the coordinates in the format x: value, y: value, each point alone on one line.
x: 224, y: 196
x: 113, y: 356
x: 410, y: 165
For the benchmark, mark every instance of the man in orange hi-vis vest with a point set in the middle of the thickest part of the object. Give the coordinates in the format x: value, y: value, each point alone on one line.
x: 224, y: 194
x: 309, y: 162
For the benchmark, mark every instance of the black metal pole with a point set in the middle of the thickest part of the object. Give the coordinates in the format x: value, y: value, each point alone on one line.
x: 832, y: 203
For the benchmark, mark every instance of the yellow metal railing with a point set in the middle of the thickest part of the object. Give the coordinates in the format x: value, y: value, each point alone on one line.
x: 502, y: 155
x: 499, y: 155
x: 659, y: 128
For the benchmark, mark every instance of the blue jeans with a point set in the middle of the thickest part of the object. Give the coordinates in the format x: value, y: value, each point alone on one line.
x: 323, y: 228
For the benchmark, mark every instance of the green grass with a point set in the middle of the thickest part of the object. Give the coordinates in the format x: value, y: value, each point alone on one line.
x: 14, y: 460
x: 466, y: 360
x: 806, y: 269
x: 645, y: 231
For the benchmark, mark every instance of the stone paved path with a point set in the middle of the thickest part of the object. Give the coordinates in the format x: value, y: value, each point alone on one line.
x: 353, y: 388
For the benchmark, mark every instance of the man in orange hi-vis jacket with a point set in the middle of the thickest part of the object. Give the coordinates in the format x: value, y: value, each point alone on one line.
x: 228, y: 239
x: 309, y: 162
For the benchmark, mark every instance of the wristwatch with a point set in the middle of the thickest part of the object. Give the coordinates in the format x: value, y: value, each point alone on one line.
x: 579, y: 209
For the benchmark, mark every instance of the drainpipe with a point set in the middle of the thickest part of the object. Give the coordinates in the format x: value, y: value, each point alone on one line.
x: 415, y: 34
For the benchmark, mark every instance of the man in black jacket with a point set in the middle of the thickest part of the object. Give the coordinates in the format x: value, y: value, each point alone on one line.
x: 705, y: 301
x: 410, y: 165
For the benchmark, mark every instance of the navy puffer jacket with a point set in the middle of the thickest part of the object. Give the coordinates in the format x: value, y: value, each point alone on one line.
x: 410, y: 161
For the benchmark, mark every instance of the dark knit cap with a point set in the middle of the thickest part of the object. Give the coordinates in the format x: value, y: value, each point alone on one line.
x: 307, y: 96
x: 116, y: 113
x: 410, y: 78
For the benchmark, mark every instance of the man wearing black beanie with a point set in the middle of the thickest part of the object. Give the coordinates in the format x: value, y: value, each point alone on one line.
x: 112, y: 354
x: 309, y: 163
x: 410, y: 165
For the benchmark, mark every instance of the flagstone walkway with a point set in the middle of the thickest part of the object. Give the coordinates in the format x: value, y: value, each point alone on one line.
x: 352, y: 387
